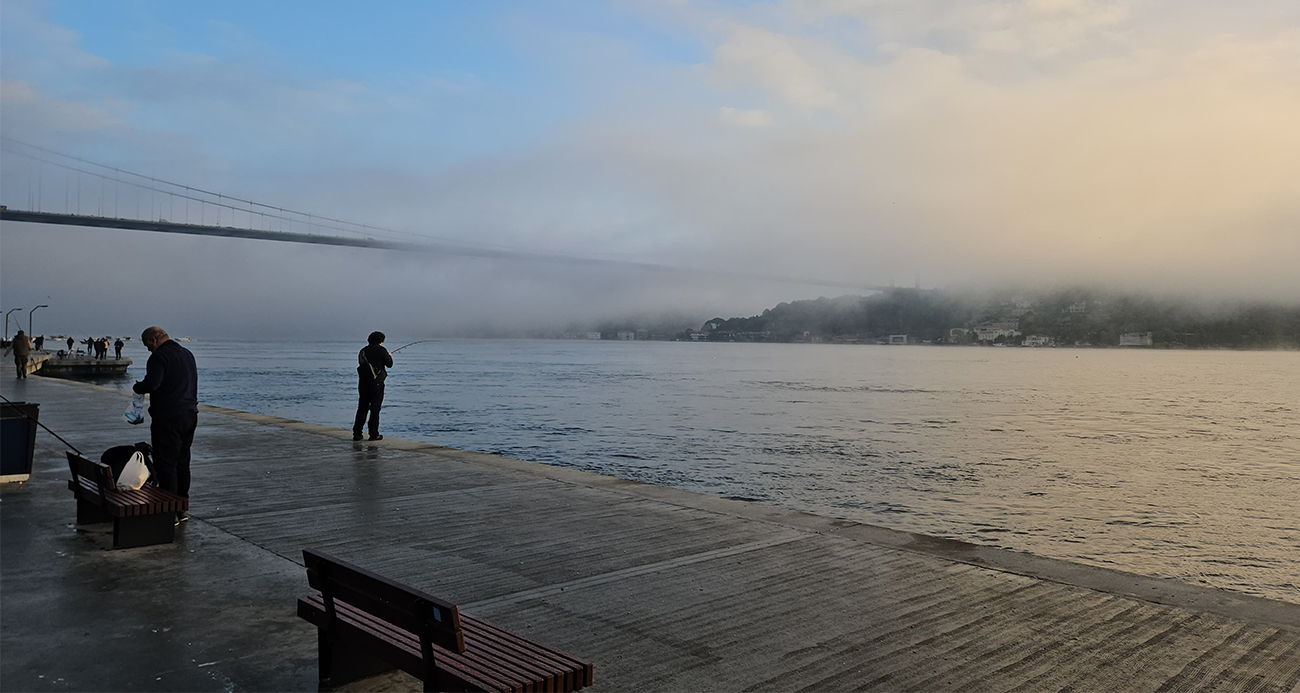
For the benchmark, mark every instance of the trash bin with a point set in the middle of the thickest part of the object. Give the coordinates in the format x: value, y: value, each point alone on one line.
x: 17, y: 439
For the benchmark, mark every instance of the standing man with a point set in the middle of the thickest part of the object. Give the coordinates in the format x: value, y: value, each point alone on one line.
x: 372, y: 361
x: 117, y: 346
x: 70, y: 343
x: 39, y: 342
x: 171, y: 381
x: 23, y: 348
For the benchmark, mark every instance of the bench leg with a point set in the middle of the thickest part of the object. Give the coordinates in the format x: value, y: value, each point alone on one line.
x: 345, y: 662
x: 143, y: 530
x: 88, y: 513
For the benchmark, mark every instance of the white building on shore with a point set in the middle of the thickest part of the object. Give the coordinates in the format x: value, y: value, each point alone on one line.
x: 1135, y: 339
x: 991, y: 331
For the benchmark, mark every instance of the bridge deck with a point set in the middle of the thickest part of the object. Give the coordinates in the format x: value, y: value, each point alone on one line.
x: 662, y: 589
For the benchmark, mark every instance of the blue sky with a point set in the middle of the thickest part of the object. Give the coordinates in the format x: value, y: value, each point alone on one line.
x: 486, y: 75
x: 964, y: 142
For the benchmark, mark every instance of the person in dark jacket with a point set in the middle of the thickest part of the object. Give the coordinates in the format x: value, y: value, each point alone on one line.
x: 171, y: 380
x: 22, y: 349
x: 70, y: 343
x: 117, y: 346
x: 372, y: 361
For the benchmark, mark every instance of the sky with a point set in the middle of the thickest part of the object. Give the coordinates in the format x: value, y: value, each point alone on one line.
x: 1133, y: 145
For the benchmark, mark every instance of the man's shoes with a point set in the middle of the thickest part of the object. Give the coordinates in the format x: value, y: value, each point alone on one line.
x: 376, y: 437
x: 356, y: 436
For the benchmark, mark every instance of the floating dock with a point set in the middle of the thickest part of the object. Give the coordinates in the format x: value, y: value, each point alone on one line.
x: 665, y: 590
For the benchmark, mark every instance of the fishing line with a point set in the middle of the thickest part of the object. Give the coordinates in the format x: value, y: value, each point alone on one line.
x: 38, y: 423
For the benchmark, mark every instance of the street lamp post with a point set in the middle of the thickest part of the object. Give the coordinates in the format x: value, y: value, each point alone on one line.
x: 7, y: 321
x: 29, y: 319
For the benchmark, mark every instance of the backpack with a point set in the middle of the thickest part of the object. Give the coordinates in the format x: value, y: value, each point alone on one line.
x: 117, y: 458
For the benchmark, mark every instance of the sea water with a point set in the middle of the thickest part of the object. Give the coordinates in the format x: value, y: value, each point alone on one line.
x: 1180, y: 464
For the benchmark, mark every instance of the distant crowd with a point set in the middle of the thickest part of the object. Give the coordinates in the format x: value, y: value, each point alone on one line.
x: 99, y: 347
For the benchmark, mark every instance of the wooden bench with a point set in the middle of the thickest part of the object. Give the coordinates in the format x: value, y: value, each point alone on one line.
x: 368, y: 624
x: 140, y: 518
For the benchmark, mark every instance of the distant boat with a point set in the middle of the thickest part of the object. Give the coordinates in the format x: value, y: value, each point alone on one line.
x: 184, y: 339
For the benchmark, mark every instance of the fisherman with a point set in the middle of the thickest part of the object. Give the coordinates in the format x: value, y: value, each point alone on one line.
x: 23, y: 348
x: 171, y: 381
x: 70, y: 344
x: 39, y: 342
x: 117, y: 346
x: 372, y: 361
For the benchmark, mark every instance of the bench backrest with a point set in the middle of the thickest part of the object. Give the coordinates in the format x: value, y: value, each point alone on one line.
x: 428, y: 617
x: 98, y: 473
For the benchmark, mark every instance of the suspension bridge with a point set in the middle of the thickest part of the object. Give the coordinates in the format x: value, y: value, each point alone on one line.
x: 66, y: 190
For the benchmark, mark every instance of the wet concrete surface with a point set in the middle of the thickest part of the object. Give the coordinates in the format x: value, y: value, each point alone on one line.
x: 663, y: 589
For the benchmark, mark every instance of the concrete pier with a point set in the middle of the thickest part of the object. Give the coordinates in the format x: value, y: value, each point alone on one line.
x: 663, y: 589
x: 35, y: 360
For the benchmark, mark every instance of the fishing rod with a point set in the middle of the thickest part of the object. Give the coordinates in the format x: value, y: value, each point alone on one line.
x: 422, y: 341
x: 38, y: 423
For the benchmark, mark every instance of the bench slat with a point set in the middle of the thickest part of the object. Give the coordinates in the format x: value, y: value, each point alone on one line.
x: 488, y: 660
x: 561, y: 660
x: 358, y: 610
x: 404, y: 646
x: 537, y: 665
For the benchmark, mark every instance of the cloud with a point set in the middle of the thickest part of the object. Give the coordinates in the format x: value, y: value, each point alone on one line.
x: 757, y: 119
x: 775, y: 63
x: 1079, y: 141
x: 27, y: 109
x: 1044, y: 141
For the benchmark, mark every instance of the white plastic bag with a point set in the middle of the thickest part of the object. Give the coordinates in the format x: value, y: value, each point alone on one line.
x: 135, y: 411
x: 134, y: 474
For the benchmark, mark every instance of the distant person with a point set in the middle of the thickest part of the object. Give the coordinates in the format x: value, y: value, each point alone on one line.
x: 23, y: 348
x: 71, y: 343
x: 372, y: 361
x: 90, y: 346
x: 171, y: 381
x: 117, y: 346
x: 40, y: 342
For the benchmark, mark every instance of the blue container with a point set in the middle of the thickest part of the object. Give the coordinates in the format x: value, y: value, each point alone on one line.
x: 17, y: 439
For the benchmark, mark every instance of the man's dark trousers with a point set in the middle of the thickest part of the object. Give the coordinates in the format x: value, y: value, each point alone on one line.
x: 372, y: 396
x: 172, y: 438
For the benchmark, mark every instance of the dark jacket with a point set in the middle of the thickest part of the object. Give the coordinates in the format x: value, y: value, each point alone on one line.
x: 378, y: 358
x: 22, y: 347
x: 171, y: 380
